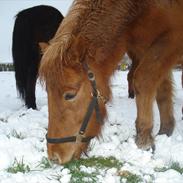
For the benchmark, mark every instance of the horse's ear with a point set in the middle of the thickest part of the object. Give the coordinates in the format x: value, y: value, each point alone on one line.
x: 43, y: 46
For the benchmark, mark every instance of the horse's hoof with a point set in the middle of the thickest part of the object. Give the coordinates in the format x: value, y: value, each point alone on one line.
x: 168, y: 130
x: 145, y: 142
x: 34, y: 107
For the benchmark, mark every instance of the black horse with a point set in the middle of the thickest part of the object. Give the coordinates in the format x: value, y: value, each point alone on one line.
x: 32, y: 26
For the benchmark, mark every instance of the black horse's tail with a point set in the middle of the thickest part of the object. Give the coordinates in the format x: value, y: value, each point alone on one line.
x: 32, y: 26
x: 21, y: 46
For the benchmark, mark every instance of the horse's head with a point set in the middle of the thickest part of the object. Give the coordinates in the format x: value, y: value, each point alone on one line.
x: 76, y: 107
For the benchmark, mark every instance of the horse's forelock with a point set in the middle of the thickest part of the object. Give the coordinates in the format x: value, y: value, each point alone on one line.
x: 57, y: 56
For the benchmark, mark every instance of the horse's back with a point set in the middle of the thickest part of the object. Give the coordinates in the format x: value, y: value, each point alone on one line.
x: 160, y: 19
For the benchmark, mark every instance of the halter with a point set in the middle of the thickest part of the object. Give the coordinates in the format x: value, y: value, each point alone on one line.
x: 93, y: 105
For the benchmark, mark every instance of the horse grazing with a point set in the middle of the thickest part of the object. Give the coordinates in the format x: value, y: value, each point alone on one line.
x: 83, y: 55
x: 32, y: 25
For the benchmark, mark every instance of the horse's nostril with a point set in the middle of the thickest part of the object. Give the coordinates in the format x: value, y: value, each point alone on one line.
x: 56, y: 159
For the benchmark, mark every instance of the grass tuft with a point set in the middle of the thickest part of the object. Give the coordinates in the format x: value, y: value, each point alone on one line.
x: 45, y: 163
x: 18, y: 166
x: 129, y: 177
x: 175, y: 166
x: 17, y: 135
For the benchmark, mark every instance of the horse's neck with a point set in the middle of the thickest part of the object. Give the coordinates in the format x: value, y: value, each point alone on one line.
x: 108, y: 21
x: 101, y: 22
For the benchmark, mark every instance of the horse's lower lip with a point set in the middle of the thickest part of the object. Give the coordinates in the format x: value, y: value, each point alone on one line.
x: 56, y: 159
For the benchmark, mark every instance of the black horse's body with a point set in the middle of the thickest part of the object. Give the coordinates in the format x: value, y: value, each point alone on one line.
x: 32, y: 25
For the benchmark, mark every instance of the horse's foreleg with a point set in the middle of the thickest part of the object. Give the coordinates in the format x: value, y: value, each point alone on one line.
x: 144, y: 101
x: 165, y: 105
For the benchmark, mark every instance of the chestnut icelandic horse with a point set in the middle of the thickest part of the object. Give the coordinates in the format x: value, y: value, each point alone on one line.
x: 32, y: 25
x: 85, y: 52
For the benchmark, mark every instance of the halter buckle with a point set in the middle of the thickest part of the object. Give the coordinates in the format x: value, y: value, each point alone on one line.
x: 101, y: 97
x: 79, y: 137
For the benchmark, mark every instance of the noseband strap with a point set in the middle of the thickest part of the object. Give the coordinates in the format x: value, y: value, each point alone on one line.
x: 80, y: 137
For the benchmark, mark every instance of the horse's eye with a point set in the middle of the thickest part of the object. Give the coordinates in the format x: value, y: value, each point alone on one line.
x: 69, y: 96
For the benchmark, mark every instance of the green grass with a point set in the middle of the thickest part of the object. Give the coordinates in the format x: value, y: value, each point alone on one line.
x: 163, y: 169
x: 175, y: 166
x: 18, y: 166
x: 99, y: 167
x: 83, y: 177
x: 45, y: 163
x: 17, y: 135
x: 98, y: 163
x: 129, y: 177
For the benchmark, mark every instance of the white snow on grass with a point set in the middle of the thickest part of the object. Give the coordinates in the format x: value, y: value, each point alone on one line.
x: 22, y: 139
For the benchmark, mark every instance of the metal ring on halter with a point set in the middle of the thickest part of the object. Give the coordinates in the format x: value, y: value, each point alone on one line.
x: 91, y: 76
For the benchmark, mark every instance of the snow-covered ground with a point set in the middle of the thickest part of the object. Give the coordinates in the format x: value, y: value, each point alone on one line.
x: 22, y: 137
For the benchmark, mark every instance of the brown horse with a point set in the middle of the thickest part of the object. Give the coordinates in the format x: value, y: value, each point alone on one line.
x: 83, y: 55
